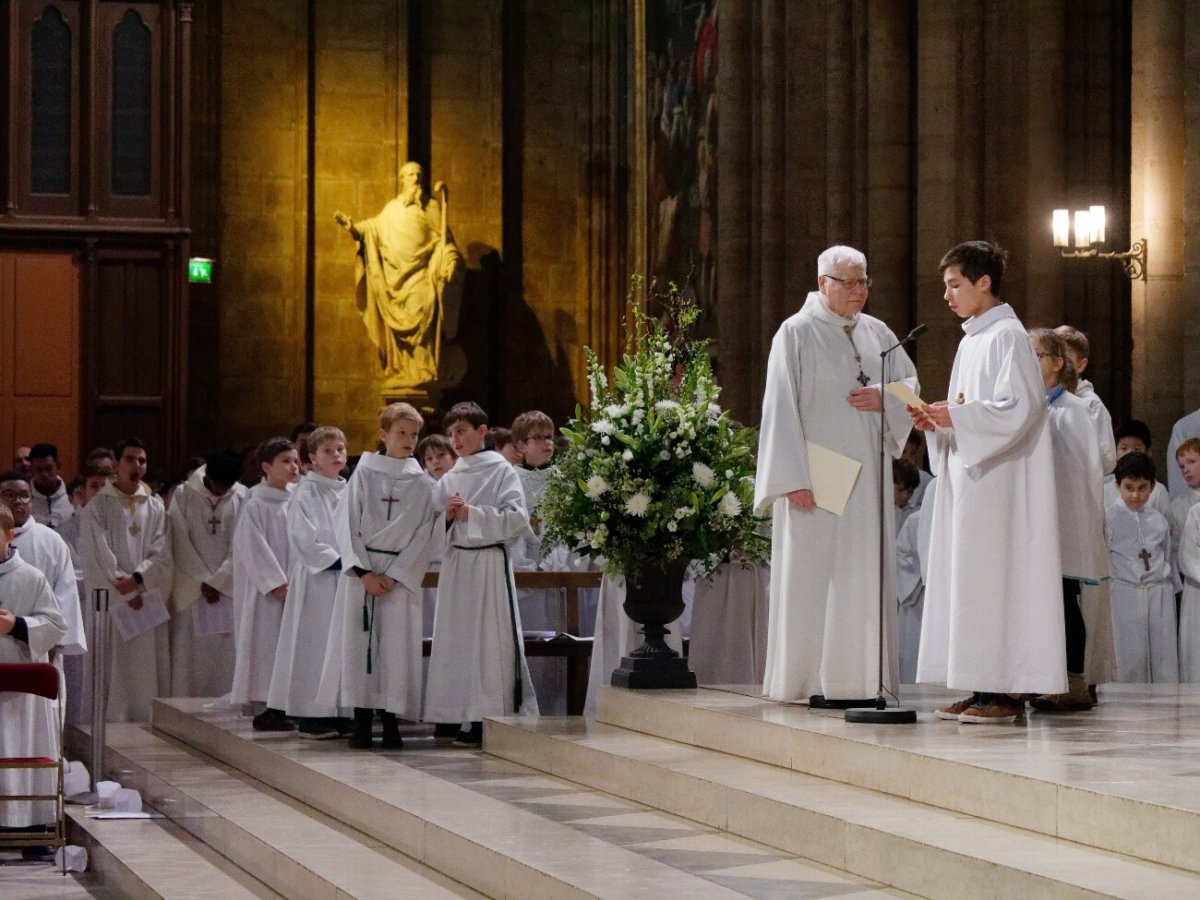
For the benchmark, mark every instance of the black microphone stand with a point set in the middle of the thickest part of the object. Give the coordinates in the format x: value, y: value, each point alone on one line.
x: 882, y: 714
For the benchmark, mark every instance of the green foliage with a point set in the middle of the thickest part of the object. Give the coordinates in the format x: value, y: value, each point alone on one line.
x: 656, y: 470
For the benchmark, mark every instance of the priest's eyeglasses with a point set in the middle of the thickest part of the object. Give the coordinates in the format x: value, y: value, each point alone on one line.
x: 16, y: 496
x: 852, y: 283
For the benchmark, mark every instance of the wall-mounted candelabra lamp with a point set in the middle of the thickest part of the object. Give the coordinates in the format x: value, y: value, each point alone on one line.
x: 1089, y: 235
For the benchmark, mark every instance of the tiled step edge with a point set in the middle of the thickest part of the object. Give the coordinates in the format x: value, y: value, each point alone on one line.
x: 153, y: 858
x: 277, y: 840
x: 908, y: 845
x: 495, y: 848
x: 1162, y: 834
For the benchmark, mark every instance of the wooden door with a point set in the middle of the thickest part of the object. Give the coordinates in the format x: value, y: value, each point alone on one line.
x: 39, y: 353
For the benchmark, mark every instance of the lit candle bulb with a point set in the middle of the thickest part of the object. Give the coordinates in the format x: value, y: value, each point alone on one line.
x: 1062, y: 228
x: 1096, y: 223
x: 1083, y: 229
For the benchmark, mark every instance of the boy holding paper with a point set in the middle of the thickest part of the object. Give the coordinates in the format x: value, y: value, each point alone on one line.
x: 124, y: 549
x: 822, y: 400
x: 993, y: 621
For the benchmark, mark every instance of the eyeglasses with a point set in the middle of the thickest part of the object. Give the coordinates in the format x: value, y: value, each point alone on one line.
x: 15, y: 497
x: 1040, y: 354
x: 541, y: 437
x: 851, y: 283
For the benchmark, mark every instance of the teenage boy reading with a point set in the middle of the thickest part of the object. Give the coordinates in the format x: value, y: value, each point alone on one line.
x: 385, y: 525
x: 261, y: 560
x: 477, y: 664
x: 316, y: 565
x: 993, y: 617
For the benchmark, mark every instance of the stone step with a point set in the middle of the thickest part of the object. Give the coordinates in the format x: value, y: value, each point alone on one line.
x: 1120, y: 777
x: 914, y: 847
x: 146, y: 859
x: 296, y: 851
x: 501, y: 828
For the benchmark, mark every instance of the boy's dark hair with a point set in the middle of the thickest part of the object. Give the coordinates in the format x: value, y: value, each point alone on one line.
x: 126, y: 443
x: 95, y: 470
x: 1134, y: 428
x: 302, y: 428
x: 41, y: 451
x: 1075, y: 339
x: 435, y: 441
x: 524, y: 425
x: 1135, y: 465
x: 468, y: 411
x: 75, y: 484
x: 14, y: 475
x: 905, y: 474
x: 498, y: 438
x: 224, y: 468
x: 99, y: 453
x: 271, y: 448
x: 976, y: 259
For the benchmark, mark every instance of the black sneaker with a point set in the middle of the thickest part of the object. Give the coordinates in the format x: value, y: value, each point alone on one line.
x: 361, y: 738
x: 43, y: 853
x: 472, y: 738
x: 273, y: 720
x: 391, y: 733
x: 317, y: 730
x: 446, y: 730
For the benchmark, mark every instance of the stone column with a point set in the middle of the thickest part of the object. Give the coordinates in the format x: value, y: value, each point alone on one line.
x: 1158, y: 187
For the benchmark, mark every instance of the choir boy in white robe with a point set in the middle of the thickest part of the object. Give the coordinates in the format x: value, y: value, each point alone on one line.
x: 822, y: 387
x: 1134, y: 437
x: 43, y: 549
x: 31, y: 625
x: 1143, y: 595
x: 1079, y: 480
x: 912, y: 566
x: 436, y: 457
x: 386, y: 524
x: 915, y: 452
x: 993, y: 617
x: 127, y: 551
x: 1185, y: 429
x: 316, y: 566
x: 1078, y: 351
x: 477, y: 665
x: 1187, y: 461
x: 261, y: 562
x: 203, y: 514
x: 94, y: 478
x: 1189, y: 613
x: 51, y: 502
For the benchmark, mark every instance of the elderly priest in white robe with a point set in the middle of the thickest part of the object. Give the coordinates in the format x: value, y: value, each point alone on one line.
x: 823, y: 387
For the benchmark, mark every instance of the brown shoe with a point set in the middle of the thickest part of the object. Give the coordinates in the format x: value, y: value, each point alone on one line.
x: 1000, y: 711
x: 1075, y: 699
x: 954, y: 710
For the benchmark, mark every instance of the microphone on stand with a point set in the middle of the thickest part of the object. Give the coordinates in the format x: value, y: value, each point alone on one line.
x: 881, y: 714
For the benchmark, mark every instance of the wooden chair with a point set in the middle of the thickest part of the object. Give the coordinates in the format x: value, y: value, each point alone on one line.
x: 42, y: 680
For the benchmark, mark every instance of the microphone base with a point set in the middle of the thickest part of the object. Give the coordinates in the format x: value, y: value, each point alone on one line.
x: 893, y: 715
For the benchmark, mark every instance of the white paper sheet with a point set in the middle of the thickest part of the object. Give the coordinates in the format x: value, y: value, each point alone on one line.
x: 903, y: 392
x: 833, y: 476
x: 131, y: 622
x: 212, y: 618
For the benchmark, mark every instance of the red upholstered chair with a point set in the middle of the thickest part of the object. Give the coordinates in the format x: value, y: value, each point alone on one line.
x: 41, y: 679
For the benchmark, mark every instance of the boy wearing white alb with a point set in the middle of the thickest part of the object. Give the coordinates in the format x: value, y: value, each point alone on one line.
x: 1143, y: 597
x: 386, y: 525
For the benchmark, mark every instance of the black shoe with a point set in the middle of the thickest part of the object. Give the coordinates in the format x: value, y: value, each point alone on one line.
x: 472, y: 738
x: 819, y: 701
x: 391, y: 733
x: 446, y: 730
x: 317, y: 730
x: 273, y: 720
x: 362, y: 738
x: 43, y: 853
x: 343, y: 725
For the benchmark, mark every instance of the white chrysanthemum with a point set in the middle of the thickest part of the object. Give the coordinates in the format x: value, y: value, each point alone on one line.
x: 714, y: 411
x: 664, y: 454
x: 603, y: 426
x: 730, y: 505
x: 616, y: 410
x: 671, y: 526
x: 683, y: 512
x: 627, y: 455
x: 664, y: 405
x: 596, y: 486
x: 703, y: 474
x: 638, y: 504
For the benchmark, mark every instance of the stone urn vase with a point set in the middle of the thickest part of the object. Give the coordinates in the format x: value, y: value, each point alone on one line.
x: 654, y: 599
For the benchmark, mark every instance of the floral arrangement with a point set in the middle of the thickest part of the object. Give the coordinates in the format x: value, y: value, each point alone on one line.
x: 656, y: 470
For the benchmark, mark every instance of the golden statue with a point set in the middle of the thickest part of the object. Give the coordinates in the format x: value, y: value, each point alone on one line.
x: 409, y: 285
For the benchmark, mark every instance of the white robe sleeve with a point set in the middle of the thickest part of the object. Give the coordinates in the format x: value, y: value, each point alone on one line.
x: 303, y: 516
x: 156, y: 568
x: 186, y: 556
x: 99, y: 561
x: 500, y: 522
x: 259, y: 563
x: 60, y: 572
x: 987, y: 428
x: 44, y: 620
x: 347, y: 525
x: 1189, y: 546
x: 782, y: 457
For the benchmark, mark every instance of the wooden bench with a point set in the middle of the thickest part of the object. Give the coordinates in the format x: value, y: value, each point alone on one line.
x: 566, y: 643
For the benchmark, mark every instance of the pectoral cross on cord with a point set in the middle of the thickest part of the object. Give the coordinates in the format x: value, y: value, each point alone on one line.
x: 389, y: 501
x: 215, y: 520
x: 861, y: 378
x: 1144, y: 556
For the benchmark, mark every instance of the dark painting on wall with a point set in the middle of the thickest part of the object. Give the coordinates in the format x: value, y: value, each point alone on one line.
x: 681, y: 146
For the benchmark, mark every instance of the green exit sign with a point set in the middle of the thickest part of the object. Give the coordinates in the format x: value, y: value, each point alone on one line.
x: 200, y: 270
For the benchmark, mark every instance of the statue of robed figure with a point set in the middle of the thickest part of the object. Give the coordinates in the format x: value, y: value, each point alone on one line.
x: 409, y: 287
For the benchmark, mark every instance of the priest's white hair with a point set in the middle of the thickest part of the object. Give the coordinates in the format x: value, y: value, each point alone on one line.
x: 839, y: 255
